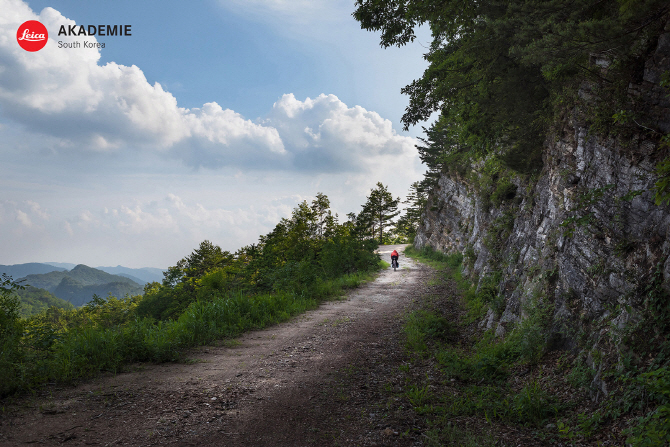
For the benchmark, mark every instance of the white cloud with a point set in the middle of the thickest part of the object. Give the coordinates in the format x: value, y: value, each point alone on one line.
x: 176, y: 217
x: 72, y: 126
x: 37, y: 210
x: 24, y: 219
x: 65, y: 93
x: 325, y: 135
x: 20, y: 218
x: 26, y: 213
x: 86, y: 220
x: 158, y: 225
x: 148, y: 232
x: 136, y: 220
x: 87, y: 108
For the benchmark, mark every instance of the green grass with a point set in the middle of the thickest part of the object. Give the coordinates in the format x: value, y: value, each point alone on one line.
x: 418, y: 396
x: 334, y: 288
x: 482, y: 372
x: 450, y: 266
x: 434, y: 258
x: 422, y: 326
x: 480, y: 367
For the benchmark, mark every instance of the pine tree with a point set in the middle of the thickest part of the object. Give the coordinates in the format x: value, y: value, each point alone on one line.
x: 324, y: 220
x: 379, y: 210
x: 408, y: 222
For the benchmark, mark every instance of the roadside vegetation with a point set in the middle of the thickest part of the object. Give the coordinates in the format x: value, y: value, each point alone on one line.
x: 210, y: 294
x: 473, y: 384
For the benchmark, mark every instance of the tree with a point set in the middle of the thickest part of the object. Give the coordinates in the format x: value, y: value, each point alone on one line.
x: 10, y: 306
x: 379, y: 210
x: 325, y: 221
x: 409, y: 222
x: 499, y: 69
x: 203, y: 259
x: 484, y: 94
x: 12, y: 356
x: 182, y: 281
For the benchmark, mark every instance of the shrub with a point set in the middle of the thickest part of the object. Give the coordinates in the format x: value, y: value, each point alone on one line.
x: 505, y: 190
x: 654, y: 429
x: 533, y: 405
x: 531, y: 333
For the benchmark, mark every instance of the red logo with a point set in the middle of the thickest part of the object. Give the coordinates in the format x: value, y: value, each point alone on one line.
x: 32, y: 35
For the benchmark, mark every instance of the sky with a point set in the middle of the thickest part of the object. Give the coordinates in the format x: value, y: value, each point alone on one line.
x: 213, y: 120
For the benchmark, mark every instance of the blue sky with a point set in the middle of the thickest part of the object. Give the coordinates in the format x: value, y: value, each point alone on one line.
x: 212, y: 121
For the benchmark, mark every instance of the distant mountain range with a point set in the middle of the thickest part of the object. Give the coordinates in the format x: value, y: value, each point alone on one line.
x: 32, y: 268
x: 141, y: 276
x: 77, y: 283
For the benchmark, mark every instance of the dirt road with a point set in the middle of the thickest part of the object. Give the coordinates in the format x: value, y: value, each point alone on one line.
x: 315, y: 380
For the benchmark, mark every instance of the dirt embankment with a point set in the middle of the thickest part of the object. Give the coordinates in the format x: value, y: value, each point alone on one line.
x: 316, y: 380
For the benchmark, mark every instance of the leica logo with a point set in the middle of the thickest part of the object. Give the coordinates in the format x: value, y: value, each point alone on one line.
x: 32, y: 35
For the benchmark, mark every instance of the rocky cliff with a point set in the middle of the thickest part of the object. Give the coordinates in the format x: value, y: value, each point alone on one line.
x: 585, y: 235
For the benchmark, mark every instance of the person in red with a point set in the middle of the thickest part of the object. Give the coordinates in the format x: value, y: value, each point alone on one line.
x: 394, y: 257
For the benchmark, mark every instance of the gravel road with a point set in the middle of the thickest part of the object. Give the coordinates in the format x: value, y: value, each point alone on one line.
x: 315, y: 380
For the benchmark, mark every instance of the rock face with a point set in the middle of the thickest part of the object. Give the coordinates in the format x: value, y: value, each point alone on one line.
x: 586, y: 234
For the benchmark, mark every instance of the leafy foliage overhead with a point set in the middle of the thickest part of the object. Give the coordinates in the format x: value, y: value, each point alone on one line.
x: 498, y: 69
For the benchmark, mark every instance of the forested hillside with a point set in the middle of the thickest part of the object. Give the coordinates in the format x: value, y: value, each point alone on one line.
x: 549, y: 177
x: 35, y: 301
x: 78, y: 285
x: 83, y: 274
